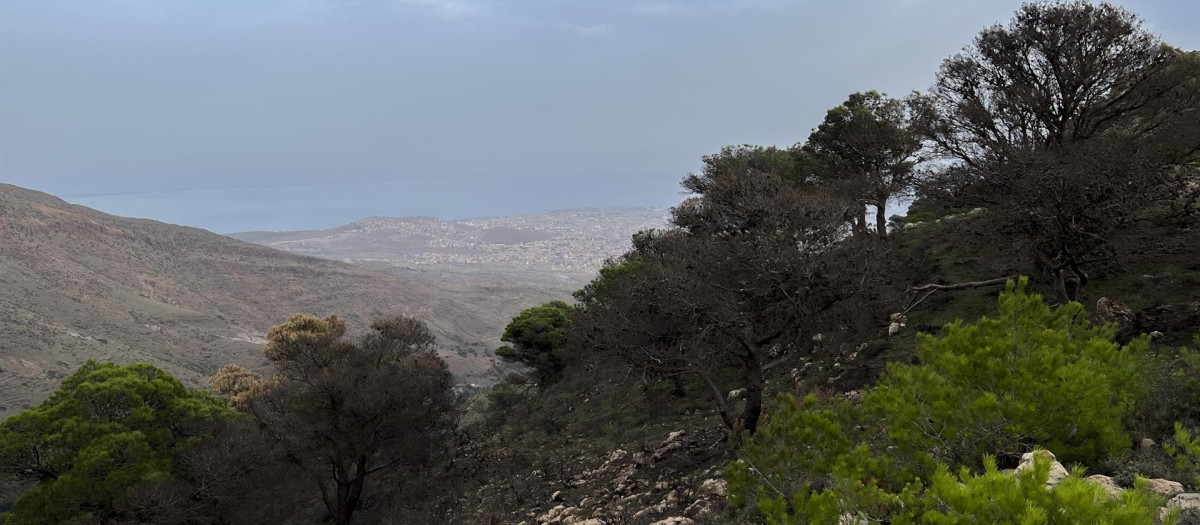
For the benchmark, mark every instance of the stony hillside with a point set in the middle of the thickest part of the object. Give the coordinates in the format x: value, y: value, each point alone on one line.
x: 78, y: 284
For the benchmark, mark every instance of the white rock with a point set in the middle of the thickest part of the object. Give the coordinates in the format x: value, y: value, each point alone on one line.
x: 893, y: 329
x: 1186, y: 501
x: 675, y: 520
x: 736, y: 394
x: 1057, y: 472
x: 1107, y: 483
x: 557, y: 496
x: 713, y: 487
x: 1165, y: 487
x: 853, y: 519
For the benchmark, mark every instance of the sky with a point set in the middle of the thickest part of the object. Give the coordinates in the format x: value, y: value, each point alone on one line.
x: 238, y: 115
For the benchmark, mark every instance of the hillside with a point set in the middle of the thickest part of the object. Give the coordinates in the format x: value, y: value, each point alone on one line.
x: 78, y: 284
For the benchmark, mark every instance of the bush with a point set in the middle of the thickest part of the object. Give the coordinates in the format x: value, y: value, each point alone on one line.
x: 802, y: 468
x: 1032, y: 375
x: 995, y: 497
x: 1186, y: 452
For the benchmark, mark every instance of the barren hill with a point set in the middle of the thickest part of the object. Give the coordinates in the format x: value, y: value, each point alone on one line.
x: 77, y: 284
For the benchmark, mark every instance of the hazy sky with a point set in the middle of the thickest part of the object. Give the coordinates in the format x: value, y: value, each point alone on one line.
x: 284, y: 114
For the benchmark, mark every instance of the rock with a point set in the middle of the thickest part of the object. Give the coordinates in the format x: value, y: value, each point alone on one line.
x: 896, y: 317
x: 1164, y: 487
x: 557, y: 496
x: 586, y: 502
x: 1147, y: 443
x: 554, y: 515
x: 671, y: 443
x: 1057, y: 472
x: 590, y: 521
x: 1107, y: 483
x: 1187, y: 501
x: 853, y: 519
x: 713, y: 487
x: 893, y: 329
x: 1113, y: 311
x: 819, y: 338
x: 699, y: 510
x: 675, y: 520
x: 735, y: 395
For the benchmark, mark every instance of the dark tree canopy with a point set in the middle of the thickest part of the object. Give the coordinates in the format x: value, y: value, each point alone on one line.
x: 752, y: 271
x: 107, y: 432
x: 866, y: 149
x: 342, y: 409
x: 1067, y: 123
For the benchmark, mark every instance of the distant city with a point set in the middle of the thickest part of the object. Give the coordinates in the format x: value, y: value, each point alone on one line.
x: 576, y: 241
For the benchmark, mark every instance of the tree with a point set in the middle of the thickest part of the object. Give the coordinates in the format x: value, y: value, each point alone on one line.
x: 344, y: 410
x: 1066, y: 124
x: 752, y: 271
x: 866, y: 148
x: 536, y: 339
x: 108, y: 431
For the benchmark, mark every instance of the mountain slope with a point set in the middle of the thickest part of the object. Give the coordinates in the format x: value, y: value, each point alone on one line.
x: 78, y: 284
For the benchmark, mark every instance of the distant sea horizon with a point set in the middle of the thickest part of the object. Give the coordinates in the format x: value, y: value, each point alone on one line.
x: 322, y: 206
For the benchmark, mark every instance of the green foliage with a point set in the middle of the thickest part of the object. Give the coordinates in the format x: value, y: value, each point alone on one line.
x: 107, y: 430
x: 994, y: 497
x: 801, y: 468
x: 1033, y: 374
x: 537, y: 338
x: 1186, y: 452
x: 594, y: 291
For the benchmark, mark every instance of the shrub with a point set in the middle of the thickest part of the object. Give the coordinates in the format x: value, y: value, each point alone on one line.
x: 1032, y: 375
x: 1186, y: 452
x: 998, y: 498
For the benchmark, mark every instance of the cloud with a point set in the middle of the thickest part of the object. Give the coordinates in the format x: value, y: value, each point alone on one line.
x: 718, y: 6
x: 659, y: 9
x: 454, y: 9
x: 592, y: 30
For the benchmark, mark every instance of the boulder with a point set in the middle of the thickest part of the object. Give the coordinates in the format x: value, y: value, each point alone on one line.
x: 1187, y: 501
x: 1114, y: 311
x: 713, y: 487
x: 1107, y: 483
x: 674, y: 520
x: 1164, y: 487
x: 1057, y: 471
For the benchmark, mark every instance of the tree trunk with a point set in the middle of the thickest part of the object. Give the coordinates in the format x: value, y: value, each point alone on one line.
x: 752, y: 372
x: 881, y: 219
x: 349, y: 494
x: 754, y: 392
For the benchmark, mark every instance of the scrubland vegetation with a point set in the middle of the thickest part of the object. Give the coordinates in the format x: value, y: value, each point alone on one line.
x: 950, y: 369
